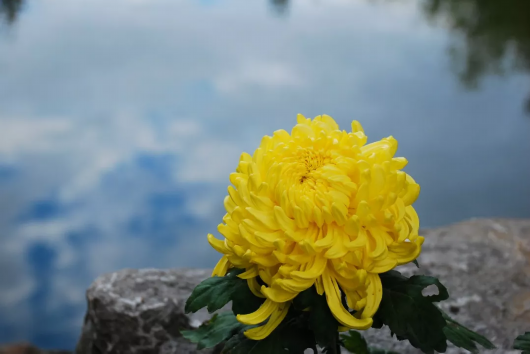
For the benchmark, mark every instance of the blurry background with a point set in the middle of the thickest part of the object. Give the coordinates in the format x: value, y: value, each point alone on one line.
x: 121, y: 120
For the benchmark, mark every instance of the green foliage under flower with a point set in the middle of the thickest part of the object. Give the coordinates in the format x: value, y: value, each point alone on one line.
x: 355, y: 343
x: 522, y: 342
x: 309, y: 323
x: 213, y: 293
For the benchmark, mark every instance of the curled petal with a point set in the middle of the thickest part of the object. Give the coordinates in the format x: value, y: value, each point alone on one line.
x: 265, y: 261
x: 275, y: 319
x: 356, y: 127
x: 316, y: 269
x: 319, y: 286
x: 413, y: 191
x: 269, y: 237
x: 412, y: 219
x: 374, y: 296
x: 277, y: 294
x: 339, y: 248
x: 260, y: 315
x: 218, y: 245
x: 222, y: 267
x: 266, y: 218
x: 333, y: 297
x: 376, y: 245
x: 251, y: 272
x: 295, y: 286
x: 385, y: 264
x: 232, y: 192
x: 405, y: 252
x: 285, y: 222
x: 254, y: 286
x: 328, y: 240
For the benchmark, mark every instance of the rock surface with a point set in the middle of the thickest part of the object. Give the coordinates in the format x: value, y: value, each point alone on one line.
x: 141, y: 312
x: 484, y: 263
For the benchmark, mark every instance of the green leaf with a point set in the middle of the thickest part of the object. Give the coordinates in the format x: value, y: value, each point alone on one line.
x: 416, y: 263
x: 297, y: 337
x: 218, y: 329
x: 463, y: 337
x: 242, y: 345
x: 355, y: 343
x: 291, y: 337
x: 321, y: 320
x: 243, y: 300
x: 522, y: 342
x: 409, y: 314
x: 215, y: 292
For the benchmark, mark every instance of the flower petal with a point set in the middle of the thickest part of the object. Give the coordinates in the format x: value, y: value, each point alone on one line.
x: 222, y: 267
x: 375, y: 294
x: 276, y: 318
x: 333, y: 297
x: 260, y: 315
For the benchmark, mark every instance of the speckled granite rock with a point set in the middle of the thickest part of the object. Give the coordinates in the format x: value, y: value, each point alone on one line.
x: 141, y: 312
x: 484, y: 263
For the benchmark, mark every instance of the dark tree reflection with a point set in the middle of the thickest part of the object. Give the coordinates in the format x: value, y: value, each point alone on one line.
x: 9, y: 10
x: 493, y: 36
x: 280, y: 6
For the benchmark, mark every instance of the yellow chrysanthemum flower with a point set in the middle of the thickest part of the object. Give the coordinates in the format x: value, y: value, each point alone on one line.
x: 318, y: 207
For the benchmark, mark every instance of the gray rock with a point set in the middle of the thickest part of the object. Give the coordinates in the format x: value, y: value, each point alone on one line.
x: 484, y: 263
x: 141, y: 312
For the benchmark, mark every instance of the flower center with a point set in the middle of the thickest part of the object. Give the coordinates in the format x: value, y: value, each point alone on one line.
x: 310, y: 161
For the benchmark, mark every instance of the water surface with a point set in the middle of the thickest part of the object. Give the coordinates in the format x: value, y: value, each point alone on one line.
x: 120, y: 122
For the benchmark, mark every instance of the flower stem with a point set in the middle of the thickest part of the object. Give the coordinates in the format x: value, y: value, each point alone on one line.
x: 336, y: 345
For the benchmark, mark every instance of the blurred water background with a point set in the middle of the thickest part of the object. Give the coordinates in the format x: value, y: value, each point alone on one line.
x: 121, y: 120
